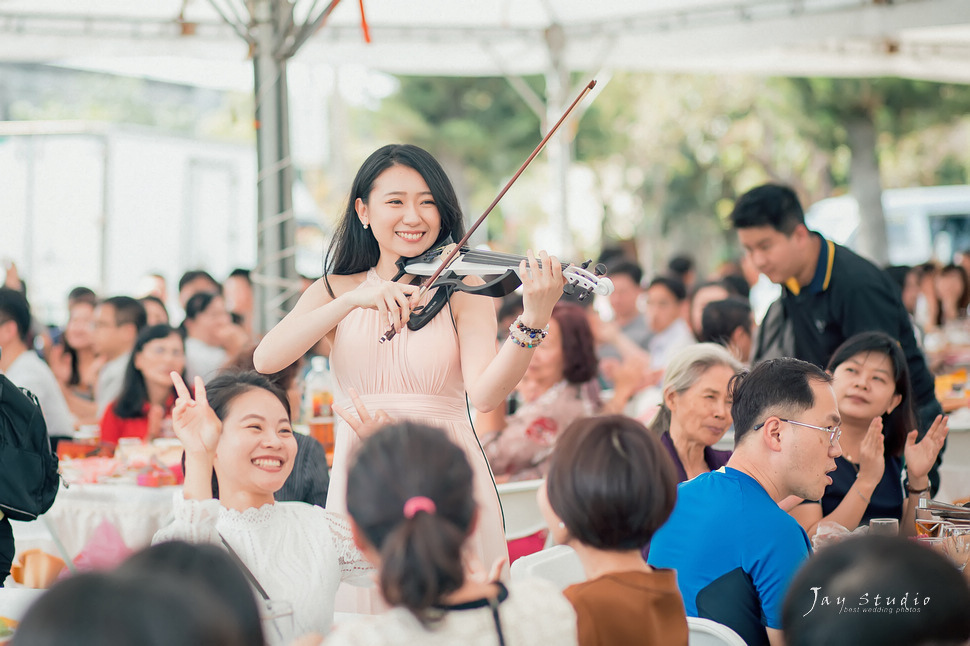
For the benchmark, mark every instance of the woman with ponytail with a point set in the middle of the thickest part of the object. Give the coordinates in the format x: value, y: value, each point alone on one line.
x: 412, y: 512
x: 696, y: 409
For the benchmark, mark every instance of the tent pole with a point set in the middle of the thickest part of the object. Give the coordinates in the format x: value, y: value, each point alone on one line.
x: 275, y: 271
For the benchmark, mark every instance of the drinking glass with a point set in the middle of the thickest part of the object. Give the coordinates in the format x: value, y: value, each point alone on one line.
x: 937, y: 543
x: 929, y: 526
x: 884, y: 527
x: 957, y: 545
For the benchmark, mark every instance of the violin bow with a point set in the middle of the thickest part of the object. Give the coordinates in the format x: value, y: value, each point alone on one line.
x: 468, y: 234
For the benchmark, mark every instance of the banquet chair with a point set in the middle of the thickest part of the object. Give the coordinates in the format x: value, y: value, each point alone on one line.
x: 558, y: 564
x: 521, y: 510
x: 706, y: 632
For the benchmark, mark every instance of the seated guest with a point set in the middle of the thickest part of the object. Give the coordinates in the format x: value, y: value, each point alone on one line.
x: 144, y: 406
x: 310, y: 479
x: 117, y: 322
x: 207, y: 324
x: 871, y: 382
x: 196, y: 281
x: 625, y: 303
x: 555, y: 390
x: 696, y: 408
x: 238, y: 290
x: 25, y: 368
x: 699, y: 297
x: 735, y: 550
x: 73, y: 359
x: 877, y: 591
x: 101, y: 609
x: 729, y: 323
x: 609, y: 488
x: 665, y: 312
x: 155, y: 311
x: 207, y: 567
x: 412, y: 511
x: 953, y: 295
x: 239, y: 450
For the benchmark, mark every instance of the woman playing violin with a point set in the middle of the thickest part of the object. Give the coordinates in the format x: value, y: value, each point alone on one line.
x: 401, y: 205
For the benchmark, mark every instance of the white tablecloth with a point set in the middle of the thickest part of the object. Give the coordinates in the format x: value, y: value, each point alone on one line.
x: 955, y: 470
x: 137, y: 513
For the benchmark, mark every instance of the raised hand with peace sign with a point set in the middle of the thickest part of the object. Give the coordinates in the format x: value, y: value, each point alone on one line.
x: 199, y: 429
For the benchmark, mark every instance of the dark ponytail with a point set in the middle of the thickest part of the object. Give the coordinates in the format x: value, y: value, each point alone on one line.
x: 421, y: 549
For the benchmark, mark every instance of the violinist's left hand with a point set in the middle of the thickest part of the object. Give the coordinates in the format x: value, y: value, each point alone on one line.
x: 541, y: 288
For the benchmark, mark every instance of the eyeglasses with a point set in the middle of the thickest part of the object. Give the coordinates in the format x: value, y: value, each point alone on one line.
x: 835, y: 432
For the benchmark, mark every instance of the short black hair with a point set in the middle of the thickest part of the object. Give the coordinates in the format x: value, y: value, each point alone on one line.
x: 905, y: 574
x: 127, y: 311
x: 680, y: 265
x: 673, y: 285
x: 737, y: 285
x: 611, y: 482
x: 239, y: 272
x: 629, y: 268
x: 81, y: 295
x: 194, y: 274
x: 721, y: 318
x: 769, y: 205
x: 14, y: 307
x: 773, y: 387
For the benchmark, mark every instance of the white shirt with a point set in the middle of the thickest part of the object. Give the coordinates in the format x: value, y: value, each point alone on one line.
x: 111, y: 378
x: 202, y: 359
x: 534, y: 614
x: 299, y: 553
x: 29, y: 371
x: 664, y: 345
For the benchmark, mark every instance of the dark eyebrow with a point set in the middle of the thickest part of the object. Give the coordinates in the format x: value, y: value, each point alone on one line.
x: 390, y: 193
x: 254, y: 416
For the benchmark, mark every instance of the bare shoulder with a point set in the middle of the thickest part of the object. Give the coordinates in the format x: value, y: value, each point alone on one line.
x: 341, y: 284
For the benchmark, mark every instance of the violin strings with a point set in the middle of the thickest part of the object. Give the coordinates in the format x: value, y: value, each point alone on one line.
x: 498, y: 258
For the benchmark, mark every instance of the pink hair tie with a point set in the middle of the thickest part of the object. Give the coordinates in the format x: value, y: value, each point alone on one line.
x: 418, y: 503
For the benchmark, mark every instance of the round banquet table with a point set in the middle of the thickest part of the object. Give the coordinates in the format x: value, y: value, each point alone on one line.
x: 136, y: 512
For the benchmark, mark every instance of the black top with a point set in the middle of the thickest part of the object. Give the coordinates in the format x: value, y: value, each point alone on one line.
x: 855, y: 296
x: 887, y: 498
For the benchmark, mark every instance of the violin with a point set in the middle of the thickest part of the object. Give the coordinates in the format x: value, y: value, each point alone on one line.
x: 501, y: 271
x: 442, y: 296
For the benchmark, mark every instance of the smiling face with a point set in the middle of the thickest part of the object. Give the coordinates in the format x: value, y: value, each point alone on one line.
x: 256, y: 450
x: 210, y: 324
x: 401, y: 213
x: 79, y: 332
x: 865, y: 386
x: 702, y: 413
x: 159, y: 358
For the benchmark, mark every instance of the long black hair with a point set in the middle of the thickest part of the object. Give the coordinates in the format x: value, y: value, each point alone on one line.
x: 354, y: 249
x: 898, y: 423
x: 134, y: 393
x: 421, y: 555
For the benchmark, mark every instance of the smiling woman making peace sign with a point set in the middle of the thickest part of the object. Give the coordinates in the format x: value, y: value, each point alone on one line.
x: 238, y: 430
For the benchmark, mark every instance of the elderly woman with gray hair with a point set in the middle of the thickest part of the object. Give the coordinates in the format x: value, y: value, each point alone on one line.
x: 696, y: 409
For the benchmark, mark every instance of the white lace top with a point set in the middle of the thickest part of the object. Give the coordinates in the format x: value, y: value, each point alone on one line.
x: 299, y: 553
x: 535, y: 613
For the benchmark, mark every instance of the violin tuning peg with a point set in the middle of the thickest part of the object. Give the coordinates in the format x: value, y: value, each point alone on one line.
x: 569, y: 288
x: 585, y: 265
x: 599, y: 269
x: 583, y: 295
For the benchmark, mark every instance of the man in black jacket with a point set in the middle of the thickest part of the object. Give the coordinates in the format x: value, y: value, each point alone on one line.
x: 828, y: 293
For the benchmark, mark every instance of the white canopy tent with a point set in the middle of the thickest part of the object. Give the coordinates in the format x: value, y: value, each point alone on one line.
x: 911, y: 38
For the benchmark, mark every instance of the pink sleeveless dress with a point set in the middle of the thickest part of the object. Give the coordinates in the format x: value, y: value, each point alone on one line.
x: 416, y: 376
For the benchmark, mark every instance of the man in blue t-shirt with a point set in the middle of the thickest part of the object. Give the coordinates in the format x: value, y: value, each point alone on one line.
x: 735, y: 550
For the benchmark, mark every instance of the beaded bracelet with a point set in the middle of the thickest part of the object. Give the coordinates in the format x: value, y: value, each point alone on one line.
x: 525, y: 336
